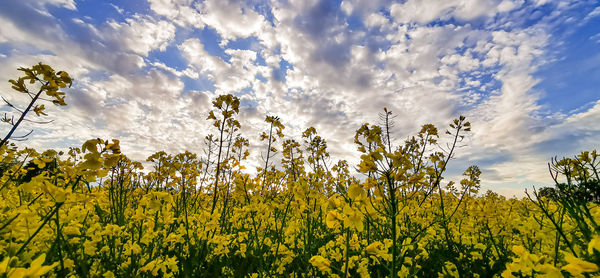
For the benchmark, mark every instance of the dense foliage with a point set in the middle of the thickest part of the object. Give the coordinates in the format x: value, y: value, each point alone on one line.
x: 94, y: 212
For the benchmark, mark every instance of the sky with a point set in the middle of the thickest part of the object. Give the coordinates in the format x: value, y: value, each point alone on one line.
x: 526, y: 74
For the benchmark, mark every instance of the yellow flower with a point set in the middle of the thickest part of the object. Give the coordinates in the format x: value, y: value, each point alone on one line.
x: 89, y: 248
x: 594, y: 244
x: 69, y: 263
x: 578, y: 266
x: 36, y: 269
x: 321, y: 263
x: 403, y: 272
x: 333, y: 202
x: 135, y: 249
x: 449, y: 270
x: 374, y: 248
x: 71, y: 230
x: 357, y: 193
x: 353, y: 219
x: 332, y: 219
x: 519, y: 250
x: 4, y: 265
x: 549, y: 271
x: 39, y: 110
x: 171, y: 264
x: 151, y: 266
x: 507, y: 274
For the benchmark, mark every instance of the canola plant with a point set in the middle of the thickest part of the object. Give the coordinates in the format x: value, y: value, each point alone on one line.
x: 92, y: 212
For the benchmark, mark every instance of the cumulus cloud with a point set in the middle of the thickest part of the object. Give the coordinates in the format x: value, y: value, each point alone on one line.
x: 231, y: 19
x: 232, y: 76
x: 425, y: 12
x: 314, y: 63
x: 179, y: 11
x: 141, y: 34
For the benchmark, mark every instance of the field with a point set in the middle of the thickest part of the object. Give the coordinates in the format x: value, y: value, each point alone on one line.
x: 91, y: 211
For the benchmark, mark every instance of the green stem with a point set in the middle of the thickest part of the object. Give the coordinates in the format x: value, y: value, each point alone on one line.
x: 347, y: 252
x: 12, y: 130
x: 48, y: 217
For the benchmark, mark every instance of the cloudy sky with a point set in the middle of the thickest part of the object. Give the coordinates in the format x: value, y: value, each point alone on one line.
x: 525, y: 73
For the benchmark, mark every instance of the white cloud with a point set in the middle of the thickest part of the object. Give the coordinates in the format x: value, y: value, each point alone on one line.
x: 592, y: 14
x: 232, y: 76
x: 230, y: 18
x: 141, y: 34
x: 426, y: 11
x: 361, y: 7
x: 119, y: 10
x: 376, y: 19
x: 180, y: 12
x: 68, y: 4
x: 9, y: 32
x: 482, y: 65
x: 595, y: 38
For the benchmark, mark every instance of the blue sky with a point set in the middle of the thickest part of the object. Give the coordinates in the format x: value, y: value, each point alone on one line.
x: 526, y: 73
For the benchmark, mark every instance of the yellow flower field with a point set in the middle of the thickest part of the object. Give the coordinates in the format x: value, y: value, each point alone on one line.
x: 92, y: 212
